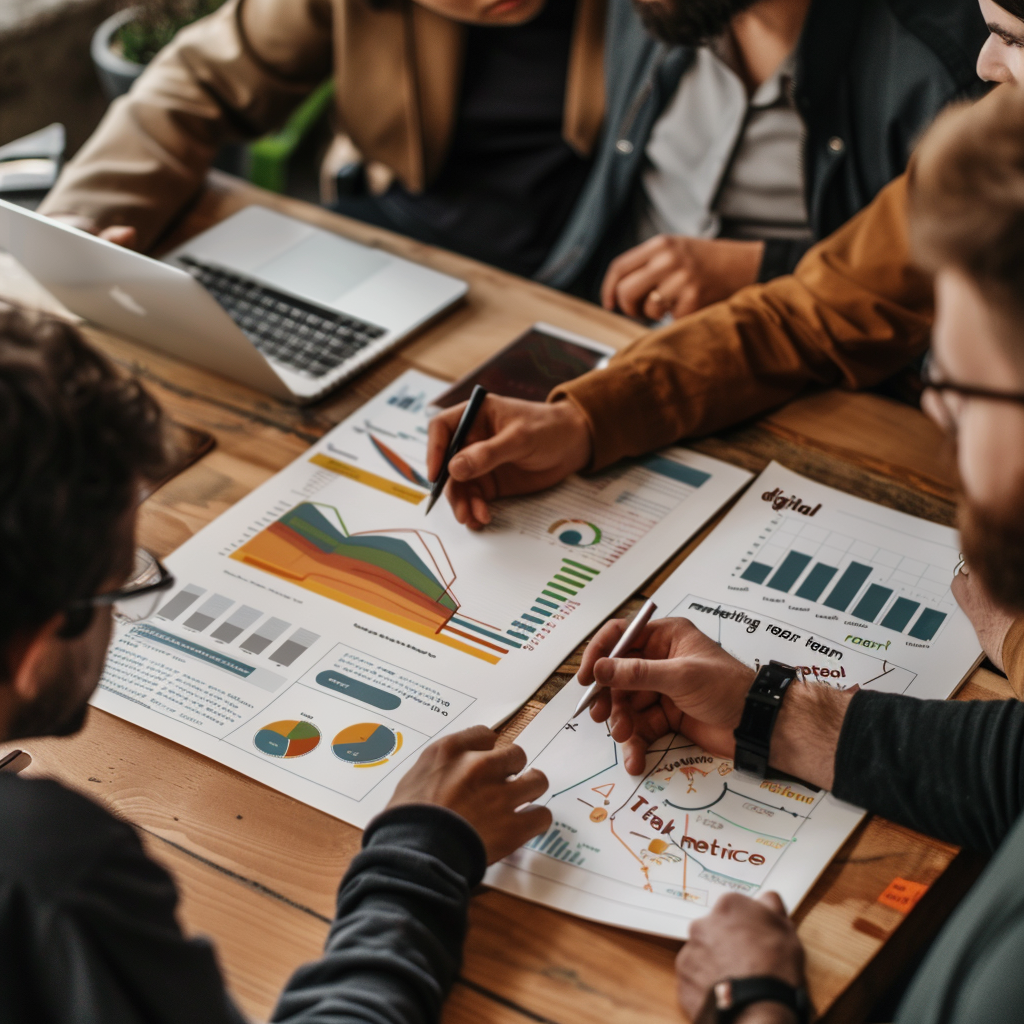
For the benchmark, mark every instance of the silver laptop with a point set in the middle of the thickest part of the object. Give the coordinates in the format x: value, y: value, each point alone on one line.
x: 262, y: 298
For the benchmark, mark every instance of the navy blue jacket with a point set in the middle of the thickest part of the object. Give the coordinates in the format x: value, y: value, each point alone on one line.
x: 871, y: 76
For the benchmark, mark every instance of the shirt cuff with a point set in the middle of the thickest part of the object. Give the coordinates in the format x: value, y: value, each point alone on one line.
x: 432, y: 830
x: 1013, y: 657
x: 855, y: 750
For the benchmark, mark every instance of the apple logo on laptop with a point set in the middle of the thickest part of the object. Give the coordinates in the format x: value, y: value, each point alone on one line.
x: 122, y: 298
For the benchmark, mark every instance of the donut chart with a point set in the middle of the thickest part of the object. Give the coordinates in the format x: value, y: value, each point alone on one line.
x: 576, y: 533
x: 365, y: 744
x: 290, y: 738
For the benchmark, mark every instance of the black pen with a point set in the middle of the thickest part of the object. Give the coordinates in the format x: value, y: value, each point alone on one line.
x: 473, y: 406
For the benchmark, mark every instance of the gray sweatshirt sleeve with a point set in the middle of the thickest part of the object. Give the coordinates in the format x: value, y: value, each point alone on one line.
x: 951, y: 769
x: 395, y: 947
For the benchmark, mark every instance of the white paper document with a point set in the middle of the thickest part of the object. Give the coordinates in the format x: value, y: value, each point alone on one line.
x: 323, y: 630
x: 842, y: 589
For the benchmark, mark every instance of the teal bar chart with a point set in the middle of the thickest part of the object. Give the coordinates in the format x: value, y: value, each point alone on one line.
x: 836, y: 572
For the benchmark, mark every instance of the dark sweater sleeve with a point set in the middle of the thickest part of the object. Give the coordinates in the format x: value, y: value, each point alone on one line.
x: 87, y: 921
x: 395, y: 947
x: 951, y: 769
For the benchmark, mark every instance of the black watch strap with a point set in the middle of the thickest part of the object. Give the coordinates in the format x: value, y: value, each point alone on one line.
x: 761, y: 708
x: 734, y: 995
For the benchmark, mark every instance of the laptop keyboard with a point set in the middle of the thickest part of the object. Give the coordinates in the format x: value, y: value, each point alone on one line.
x: 306, y: 338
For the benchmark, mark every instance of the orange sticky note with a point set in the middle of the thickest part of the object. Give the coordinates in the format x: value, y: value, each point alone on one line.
x: 902, y: 895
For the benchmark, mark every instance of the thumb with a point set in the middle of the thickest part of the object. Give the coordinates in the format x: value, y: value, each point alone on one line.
x: 119, y: 235
x: 638, y: 674
x: 773, y: 901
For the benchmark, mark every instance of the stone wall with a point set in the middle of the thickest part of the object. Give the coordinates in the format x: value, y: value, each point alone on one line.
x: 46, y: 73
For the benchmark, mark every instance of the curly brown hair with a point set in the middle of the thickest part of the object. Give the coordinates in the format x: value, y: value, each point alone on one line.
x: 77, y: 437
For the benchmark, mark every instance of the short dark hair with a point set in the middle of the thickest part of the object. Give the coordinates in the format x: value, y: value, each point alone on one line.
x: 77, y: 438
x: 967, y: 198
x: 1014, y: 7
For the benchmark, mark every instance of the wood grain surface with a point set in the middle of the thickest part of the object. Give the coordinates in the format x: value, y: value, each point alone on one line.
x: 258, y: 871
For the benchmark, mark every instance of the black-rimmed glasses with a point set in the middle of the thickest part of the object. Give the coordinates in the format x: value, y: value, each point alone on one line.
x: 930, y: 378
x: 137, y: 600
x: 953, y: 394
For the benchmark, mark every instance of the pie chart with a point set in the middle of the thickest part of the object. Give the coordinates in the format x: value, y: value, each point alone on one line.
x: 291, y: 738
x: 365, y: 744
x: 576, y: 533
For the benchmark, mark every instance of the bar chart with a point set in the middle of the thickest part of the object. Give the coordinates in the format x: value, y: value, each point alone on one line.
x: 553, y: 844
x: 882, y: 585
x: 234, y: 625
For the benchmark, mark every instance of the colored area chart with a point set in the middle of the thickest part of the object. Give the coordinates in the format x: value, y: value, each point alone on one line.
x: 291, y: 738
x: 400, y: 576
x: 576, y: 533
x: 366, y: 745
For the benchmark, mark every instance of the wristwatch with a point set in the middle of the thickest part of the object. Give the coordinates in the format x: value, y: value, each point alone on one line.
x: 761, y: 708
x: 729, y: 998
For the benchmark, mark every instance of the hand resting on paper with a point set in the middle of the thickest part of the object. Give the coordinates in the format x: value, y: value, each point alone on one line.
x: 515, y: 447
x: 467, y: 773
x: 679, y: 680
x: 740, y: 938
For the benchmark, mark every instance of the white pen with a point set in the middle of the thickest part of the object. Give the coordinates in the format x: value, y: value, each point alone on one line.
x: 626, y: 641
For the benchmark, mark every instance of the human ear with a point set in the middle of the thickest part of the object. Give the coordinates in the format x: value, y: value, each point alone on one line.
x: 28, y: 657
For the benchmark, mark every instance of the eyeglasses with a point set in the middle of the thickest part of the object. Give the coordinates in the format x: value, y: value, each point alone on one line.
x: 137, y: 600
x: 954, y: 394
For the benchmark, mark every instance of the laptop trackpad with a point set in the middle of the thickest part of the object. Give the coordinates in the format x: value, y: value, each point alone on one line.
x: 322, y: 267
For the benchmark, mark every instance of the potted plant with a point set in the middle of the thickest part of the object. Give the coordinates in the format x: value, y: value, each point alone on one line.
x: 126, y: 42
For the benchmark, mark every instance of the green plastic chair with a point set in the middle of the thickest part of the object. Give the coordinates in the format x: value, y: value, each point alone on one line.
x: 269, y: 156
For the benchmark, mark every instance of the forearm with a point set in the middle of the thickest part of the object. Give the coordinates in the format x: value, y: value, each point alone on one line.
x: 854, y: 312
x: 807, y: 731
x: 151, y: 152
x: 396, y: 945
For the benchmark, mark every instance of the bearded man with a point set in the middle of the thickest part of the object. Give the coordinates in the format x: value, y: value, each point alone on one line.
x: 953, y: 770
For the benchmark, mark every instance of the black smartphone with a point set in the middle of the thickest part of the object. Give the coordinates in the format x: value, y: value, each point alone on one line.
x: 529, y: 367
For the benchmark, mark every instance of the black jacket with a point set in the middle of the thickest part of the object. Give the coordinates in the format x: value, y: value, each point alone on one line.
x: 871, y: 75
x: 88, y: 933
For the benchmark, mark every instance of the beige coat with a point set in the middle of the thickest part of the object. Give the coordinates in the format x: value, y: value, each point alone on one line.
x: 243, y: 69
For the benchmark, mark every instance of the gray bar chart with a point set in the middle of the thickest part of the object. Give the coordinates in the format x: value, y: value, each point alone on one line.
x: 185, y: 598
x: 264, y: 636
x: 298, y: 643
x: 232, y: 627
x: 212, y: 608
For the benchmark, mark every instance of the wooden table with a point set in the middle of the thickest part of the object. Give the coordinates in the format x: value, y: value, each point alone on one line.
x: 258, y: 871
